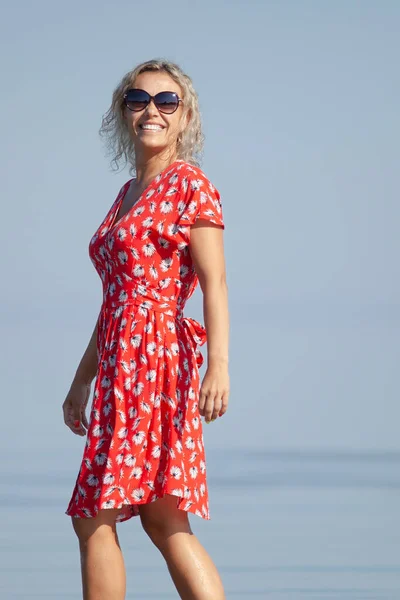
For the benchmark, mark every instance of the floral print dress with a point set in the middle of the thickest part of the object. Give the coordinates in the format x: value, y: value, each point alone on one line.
x: 145, y: 435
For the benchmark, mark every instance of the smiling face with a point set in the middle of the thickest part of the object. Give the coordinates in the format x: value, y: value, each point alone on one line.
x: 152, y: 131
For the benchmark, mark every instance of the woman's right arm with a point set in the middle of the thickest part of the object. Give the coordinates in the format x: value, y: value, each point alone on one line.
x: 75, y: 403
x: 87, y: 368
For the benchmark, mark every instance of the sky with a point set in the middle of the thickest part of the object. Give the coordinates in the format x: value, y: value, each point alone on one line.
x: 299, y: 101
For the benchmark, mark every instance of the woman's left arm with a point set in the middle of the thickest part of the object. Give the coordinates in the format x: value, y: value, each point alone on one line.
x: 207, y: 251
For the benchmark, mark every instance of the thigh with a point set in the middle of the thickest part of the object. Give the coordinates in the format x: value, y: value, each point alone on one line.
x: 164, y: 517
x: 103, y: 523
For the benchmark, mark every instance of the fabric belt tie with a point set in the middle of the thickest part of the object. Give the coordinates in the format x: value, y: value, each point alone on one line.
x: 151, y: 299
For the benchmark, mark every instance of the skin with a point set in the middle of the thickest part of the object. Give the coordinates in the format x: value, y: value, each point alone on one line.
x: 192, y: 570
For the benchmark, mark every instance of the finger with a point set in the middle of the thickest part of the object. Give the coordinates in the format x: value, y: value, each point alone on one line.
x: 224, y: 406
x: 202, y: 401
x: 217, y: 407
x: 208, y: 409
x: 84, y: 419
x: 74, y: 423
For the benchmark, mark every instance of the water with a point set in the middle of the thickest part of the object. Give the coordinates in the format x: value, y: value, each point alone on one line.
x: 284, y: 526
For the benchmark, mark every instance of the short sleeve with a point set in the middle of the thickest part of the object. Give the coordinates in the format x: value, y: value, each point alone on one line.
x: 201, y: 200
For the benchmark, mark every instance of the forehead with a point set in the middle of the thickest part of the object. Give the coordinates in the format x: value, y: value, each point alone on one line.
x: 156, y: 81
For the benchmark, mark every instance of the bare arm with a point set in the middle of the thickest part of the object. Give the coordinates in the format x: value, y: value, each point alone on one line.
x: 87, y: 367
x: 207, y: 251
x: 75, y: 403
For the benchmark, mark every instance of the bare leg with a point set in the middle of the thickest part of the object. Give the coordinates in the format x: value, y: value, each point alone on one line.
x: 102, y: 563
x: 192, y: 570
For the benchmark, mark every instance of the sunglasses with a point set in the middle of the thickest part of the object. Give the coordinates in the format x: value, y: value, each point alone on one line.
x: 166, y: 102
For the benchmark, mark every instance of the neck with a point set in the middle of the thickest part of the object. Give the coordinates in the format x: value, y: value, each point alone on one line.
x: 148, y: 167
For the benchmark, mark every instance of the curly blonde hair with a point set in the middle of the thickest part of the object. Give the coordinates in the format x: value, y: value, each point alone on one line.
x: 116, y: 135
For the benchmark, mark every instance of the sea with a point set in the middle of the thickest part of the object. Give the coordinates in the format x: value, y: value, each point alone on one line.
x: 285, y: 525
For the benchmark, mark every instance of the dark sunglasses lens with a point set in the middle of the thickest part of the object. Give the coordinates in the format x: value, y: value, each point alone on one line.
x: 166, y: 102
x: 137, y: 99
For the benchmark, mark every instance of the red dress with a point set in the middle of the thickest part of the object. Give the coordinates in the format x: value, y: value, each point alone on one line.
x: 145, y: 435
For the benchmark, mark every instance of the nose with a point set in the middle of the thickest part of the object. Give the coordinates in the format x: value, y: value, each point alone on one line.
x: 151, y: 109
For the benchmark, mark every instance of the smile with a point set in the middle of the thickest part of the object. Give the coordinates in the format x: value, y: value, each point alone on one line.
x: 149, y: 127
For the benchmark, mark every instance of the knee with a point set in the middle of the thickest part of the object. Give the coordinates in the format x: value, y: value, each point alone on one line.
x: 99, y: 528
x: 159, y: 527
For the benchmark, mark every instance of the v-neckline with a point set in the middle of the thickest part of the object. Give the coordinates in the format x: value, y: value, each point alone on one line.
x: 114, y: 223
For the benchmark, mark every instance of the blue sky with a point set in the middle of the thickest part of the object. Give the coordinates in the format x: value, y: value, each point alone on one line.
x: 300, y: 108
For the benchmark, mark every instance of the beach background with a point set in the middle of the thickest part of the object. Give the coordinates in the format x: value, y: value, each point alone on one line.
x: 300, y: 108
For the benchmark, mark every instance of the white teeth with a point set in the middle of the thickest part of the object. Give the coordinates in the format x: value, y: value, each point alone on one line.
x: 153, y: 127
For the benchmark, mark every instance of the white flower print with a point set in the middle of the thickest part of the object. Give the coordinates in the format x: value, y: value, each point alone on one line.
x: 174, y: 349
x: 193, y: 457
x: 176, y: 472
x: 145, y: 407
x: 87, y: 463
x: 132, y: 229
x: 148, y: 222
x: 99, y: 444
x: 138, y: 388
x: 177, y: 424
x: 202, y: 467
x: 173, y: 229
x: 151, y: 348
x: 136, y: 340
x: 97, y: 431
x: 136, y: 473
x: 151, y: 375
x: 138, y: 211
x: 132, y: 412
x: 92, y: 480
x: 160, y: 227
x: 130, y: 460
x: 156, y: 452
x: 138, y: 270
x: 105, y: 382
x: 189, y: 443
x: 124, y: 445
x: 108, y: 479
x: 138, y: 494
x: 121, y: 233
x: 123, y: 432
x: 166, y: 206
x: 100, y: 459
x: 123, y: 257
x: 138, y: 437
x: 163, y: 243
x: 149, y: 249
x: 166, y: 264
x: 118, y: 394
x: 171, y: 326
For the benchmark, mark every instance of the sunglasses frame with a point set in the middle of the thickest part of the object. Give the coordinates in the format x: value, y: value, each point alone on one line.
x: 152, y: 98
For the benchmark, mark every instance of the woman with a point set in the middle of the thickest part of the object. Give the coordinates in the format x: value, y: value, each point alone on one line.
x: 144, y: 452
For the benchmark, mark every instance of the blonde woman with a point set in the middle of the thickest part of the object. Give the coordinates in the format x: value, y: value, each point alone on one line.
x: 144, y: 454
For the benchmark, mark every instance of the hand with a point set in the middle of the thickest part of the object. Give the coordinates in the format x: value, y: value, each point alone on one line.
x: 74, y: 407
x: 214, y: 392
